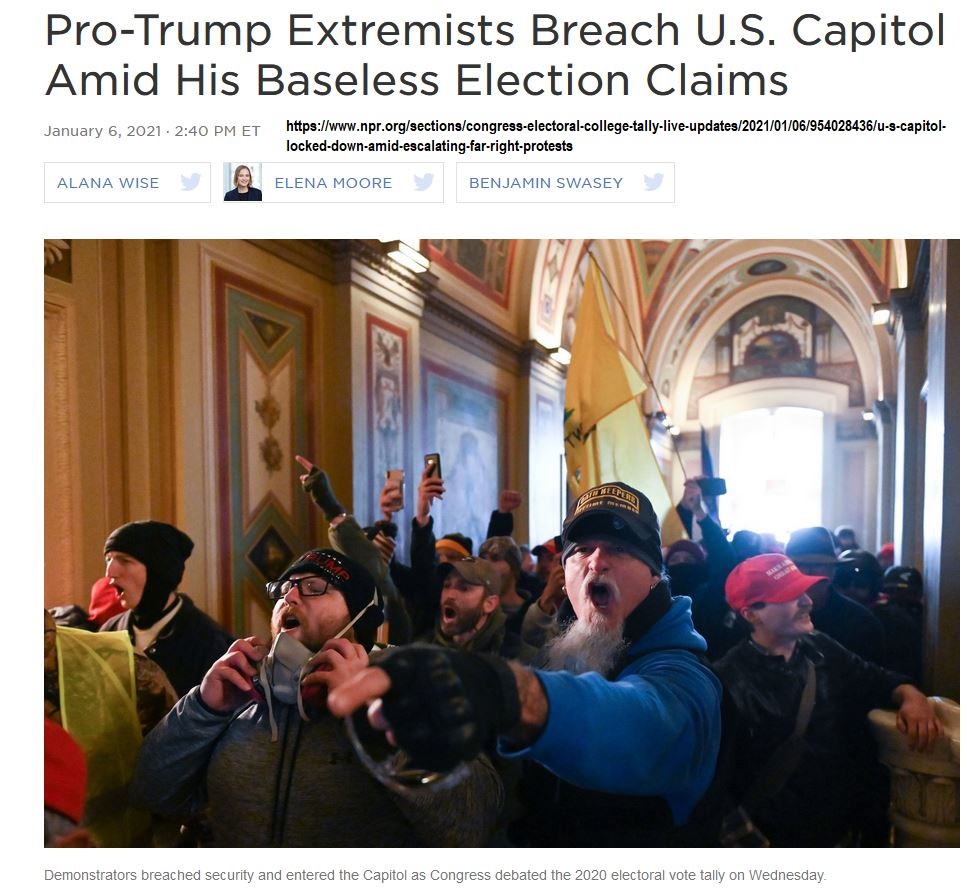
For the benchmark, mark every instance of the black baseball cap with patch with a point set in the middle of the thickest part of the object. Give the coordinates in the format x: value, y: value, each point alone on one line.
x: 615, y: 511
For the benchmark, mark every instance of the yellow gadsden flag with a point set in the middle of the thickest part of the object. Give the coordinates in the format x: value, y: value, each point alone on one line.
x: 605, y: 438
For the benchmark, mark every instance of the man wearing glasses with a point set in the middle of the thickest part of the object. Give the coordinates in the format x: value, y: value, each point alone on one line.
x: 256, y: 743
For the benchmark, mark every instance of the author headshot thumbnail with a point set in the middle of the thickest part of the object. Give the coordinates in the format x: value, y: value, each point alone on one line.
x: 243, y: 190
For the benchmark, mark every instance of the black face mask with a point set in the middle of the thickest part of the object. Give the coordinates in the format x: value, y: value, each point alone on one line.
x: 152, y: 604
x: 686, y: 578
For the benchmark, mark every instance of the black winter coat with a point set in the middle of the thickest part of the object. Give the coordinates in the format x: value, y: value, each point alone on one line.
x: 829, y: 792
x: 186, y: 647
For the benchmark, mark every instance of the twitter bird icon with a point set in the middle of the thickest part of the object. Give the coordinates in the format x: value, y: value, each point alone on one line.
x: 190, y: 182
x: 423, y: 183
x: 652, y: 183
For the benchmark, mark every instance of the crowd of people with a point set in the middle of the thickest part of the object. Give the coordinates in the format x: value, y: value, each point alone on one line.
x: 600, y: 689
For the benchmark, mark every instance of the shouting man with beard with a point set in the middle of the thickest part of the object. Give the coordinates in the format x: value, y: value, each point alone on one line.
x: 623, y: 726
x: 470, y: 614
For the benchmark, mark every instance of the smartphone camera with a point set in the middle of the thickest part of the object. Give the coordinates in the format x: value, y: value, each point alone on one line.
x: 395, y: 477
x: 432, y: 463
x: 712, y: 487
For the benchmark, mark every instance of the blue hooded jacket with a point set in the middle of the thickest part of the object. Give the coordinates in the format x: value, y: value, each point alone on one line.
x: 653, y: 730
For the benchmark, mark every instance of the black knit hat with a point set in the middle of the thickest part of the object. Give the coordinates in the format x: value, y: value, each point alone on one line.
x: 619, y: 512
x: 160, y: 547
x: 351, y: 579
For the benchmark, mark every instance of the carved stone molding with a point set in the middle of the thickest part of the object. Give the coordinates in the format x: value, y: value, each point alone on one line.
x: 451, y: 321
x: 924, y: 786
x: 57, y: 259
x: 334, y: 260
x: 536, y: 362
x: 59, y: 491
x: 925, y: 798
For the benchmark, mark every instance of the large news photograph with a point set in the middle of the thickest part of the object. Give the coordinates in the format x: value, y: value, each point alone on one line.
x: 501, y: 543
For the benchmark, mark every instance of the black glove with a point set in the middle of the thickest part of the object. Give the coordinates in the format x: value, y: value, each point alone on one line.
x: 444, y: 705
x: 318, y: 487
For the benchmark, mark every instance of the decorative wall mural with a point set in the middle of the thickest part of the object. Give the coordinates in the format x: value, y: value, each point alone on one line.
x: 773, y: 338
x: 465, y: 423
x: 771, y: 348
x: 271, y: 554
x: 387, y: 365
x: 779, y: 336
x: 481, y: 263
x: 690, y: 251
x: 875, y: 258
x: 826, y: 339
x: 767, y: 267
x: 712, y: 297
x: 263, y: 407
x: 652, y: 259
x: 269, y: 412
x: 555, y: 253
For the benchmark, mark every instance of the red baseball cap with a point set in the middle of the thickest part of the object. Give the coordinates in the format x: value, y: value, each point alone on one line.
x: 548, y: 546
x: 771, y: 577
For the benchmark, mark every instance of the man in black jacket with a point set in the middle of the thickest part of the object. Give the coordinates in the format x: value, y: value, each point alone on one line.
x: 700, y: 572
x: 419, y: 582
x: 145, y: 561
x: 825, y: 795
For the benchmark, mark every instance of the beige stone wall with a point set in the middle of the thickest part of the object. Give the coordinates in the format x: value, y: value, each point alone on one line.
x: 129, y: 419
x: 131, y: 408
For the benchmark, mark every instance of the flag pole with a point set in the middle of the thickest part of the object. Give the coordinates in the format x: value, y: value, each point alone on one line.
x: 641, y: 353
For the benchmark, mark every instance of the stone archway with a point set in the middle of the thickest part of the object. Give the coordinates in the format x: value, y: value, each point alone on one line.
x: 719, y: 280
x: 713, y: 287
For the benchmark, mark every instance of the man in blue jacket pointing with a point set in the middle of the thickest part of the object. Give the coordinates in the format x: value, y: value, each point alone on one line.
x: 624, y: 721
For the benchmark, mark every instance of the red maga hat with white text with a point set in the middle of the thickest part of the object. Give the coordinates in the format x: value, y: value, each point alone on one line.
x: 767, y: 578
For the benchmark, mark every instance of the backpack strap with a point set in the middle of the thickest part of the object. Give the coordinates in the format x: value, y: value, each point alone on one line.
x: 787, y: 756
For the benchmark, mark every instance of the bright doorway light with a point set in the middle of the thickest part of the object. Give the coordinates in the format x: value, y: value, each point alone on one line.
x: 772, y: 460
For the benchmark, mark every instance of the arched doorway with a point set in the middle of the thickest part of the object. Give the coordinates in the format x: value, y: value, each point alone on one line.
x: 758, y: 325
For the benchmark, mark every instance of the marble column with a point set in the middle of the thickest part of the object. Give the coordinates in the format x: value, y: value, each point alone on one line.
x: 924, y: 785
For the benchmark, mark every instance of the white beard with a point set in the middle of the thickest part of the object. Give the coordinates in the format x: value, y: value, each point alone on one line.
x: 584, y: 648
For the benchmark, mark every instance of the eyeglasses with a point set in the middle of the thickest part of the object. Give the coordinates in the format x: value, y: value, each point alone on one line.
x: 307, y: 586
